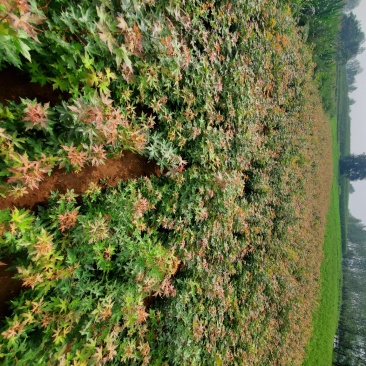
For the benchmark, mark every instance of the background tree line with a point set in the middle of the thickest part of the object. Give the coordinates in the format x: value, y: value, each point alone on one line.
x: 353, y: 166
x: 350, y: 345
x: 350, y: 349
x: 350, y: 45
x: 350, y: 41
x: 351, y: 38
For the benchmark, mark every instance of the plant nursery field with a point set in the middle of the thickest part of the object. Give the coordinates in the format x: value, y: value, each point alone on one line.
x: 165, y: 175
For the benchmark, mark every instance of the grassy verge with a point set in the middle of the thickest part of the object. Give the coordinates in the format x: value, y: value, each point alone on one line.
x: 325, y: 319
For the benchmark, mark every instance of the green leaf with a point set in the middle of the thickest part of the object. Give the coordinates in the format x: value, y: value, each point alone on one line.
x: 17, y: 141
x: 5, y: 216
x: 39, y: 78
x: 8, y: 51
x: 103, y: 87
x: 92, y: 78
x: 24, y: 49
x: 21, y: 219
x: 122, y: 55
x: 60, y: 84
x: 110, y: 74
x: 87, y: 61
x: 69, y: 21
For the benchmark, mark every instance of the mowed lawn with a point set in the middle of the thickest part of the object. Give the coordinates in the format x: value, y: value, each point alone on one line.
x: 320, y: 347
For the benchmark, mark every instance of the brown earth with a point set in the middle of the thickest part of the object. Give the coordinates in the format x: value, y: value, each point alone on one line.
x: 14, y: 84
x: 9, y: 287
x: 129, y: 166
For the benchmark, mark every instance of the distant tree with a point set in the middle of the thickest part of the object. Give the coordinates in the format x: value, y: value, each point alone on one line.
x: 351, y: 37
x: 351, y: 101
x: 353, y: 68
x: 356, y: 232
x: 353, y: 166
x: 351, y: 189
x: 351, y: 4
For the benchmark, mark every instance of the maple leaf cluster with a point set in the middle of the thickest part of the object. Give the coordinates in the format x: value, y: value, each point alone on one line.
x: 140, y: 207
x: 29, y: 173
x: 98, y: 155
x: 77, y: 158
x: 44, y: 246
x: 36, y: 115
x: 105, y: 125
x: 15, y: 329
x: 20, y: 17
x: 98, y: 230
x: 67, y: 220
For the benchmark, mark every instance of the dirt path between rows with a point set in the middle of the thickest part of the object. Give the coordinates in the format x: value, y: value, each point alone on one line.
x: 129, y: 166
x: 10, y: 287
x: 15, y: 84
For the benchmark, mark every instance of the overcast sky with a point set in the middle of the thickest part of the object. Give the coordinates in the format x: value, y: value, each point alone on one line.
x: 357, y: 201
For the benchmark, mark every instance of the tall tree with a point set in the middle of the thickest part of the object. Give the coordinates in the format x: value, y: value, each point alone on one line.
x: 353, y: 68
x: 351, y: 37
x: 356, y: 230
x: 353, y: 166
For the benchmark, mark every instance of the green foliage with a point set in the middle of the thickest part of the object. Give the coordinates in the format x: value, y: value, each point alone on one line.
x: 351, y: 37
x: 18, y: 34
x: 321, y: 21
x: 13, y: 44
x: 357, y: 232
x: 211, y: 262
x: 353, y: 166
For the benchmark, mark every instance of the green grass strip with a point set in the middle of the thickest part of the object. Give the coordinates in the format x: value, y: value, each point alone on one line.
x: 325, y: 318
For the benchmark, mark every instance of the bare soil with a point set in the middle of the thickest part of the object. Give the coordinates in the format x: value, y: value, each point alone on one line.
x: 129, y: 166
x: 9, y: 287
x: 14, y: 84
